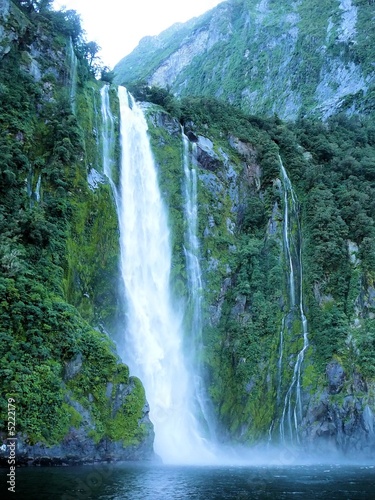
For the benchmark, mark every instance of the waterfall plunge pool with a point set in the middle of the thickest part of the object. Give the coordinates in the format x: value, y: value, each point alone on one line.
x: 135, y: 481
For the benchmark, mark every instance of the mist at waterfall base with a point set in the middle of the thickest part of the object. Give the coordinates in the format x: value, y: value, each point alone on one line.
x: 153, y: 337
x: 260, y: 472
x: 140, y: 481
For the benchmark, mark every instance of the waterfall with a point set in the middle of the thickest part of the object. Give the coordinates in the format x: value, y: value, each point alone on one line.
x: 96, y: 127
x: 72, y: 75
x: 153, y: 334
x: 194, y: 281
x: 37, y: 188
x: 34, y: 196
x: 280, y: 361
x: 292, y: 410
x: 288, y: 193
x: 108, y: 139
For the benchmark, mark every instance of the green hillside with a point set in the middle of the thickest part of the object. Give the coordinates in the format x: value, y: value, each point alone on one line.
x: 289, y: 58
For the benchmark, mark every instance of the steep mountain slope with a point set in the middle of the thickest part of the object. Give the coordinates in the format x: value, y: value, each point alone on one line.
x: 286, y: 57
x: 286, y: 244
x: 286, y: 234
x: 74, y: 399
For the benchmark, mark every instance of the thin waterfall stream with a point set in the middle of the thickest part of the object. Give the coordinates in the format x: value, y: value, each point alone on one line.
x: 292, y: 409
x: 194, y: 279
x: 108, y: 139
x: 73, y: 62
x: 153, y: 345
x: 155, y: 332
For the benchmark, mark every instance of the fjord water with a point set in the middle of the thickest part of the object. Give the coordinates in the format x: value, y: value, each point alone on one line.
x: 153, y: 336
x: 133, y: 481
x: 153, y: 348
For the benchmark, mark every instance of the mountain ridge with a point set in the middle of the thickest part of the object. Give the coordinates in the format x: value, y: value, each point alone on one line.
x: 294, y: 59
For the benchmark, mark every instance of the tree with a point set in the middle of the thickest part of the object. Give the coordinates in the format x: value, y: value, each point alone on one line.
x: 91, y: 50
x: 107, y: 75
x: 34, y: 5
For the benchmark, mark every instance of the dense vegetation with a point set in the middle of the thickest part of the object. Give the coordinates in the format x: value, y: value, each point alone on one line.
x: 59, y: 236
x: 295, y: 59
x: 336, y: 191
x: 58, y: 244
x: 332, y: 168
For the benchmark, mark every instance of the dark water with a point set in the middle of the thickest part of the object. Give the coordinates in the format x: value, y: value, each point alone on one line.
x: 158, y: 482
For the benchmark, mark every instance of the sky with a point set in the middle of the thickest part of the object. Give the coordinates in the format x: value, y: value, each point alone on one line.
x: 118, y: 25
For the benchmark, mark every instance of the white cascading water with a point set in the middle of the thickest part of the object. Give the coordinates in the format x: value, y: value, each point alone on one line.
x: 33, y: 195
x: 37, y: 188
x: 194, y: 279
x: 292, y: 410
x: 280, y: 361
x: 291, y: 285
x: 154, y: 335
x: 191, y: 241
x: 73, y: 75
x: 108, y: 139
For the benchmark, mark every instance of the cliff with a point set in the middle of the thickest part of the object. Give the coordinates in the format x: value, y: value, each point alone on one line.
x: 75, y: 401
x: 290, y: 58
x: 286, y: 241
x: 256, y: 366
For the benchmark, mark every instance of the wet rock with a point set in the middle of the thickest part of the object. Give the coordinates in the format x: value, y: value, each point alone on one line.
x: 250, y: 385
x: 78, y: 447
x: 4, y: 9
x: 208, y: 162
x: 189, y: 128
x: 109, y: 389
x: 353, y: 253
x: 370, y: 297
x: 13, y: 25
x: 274, y: 220
x: 94, y: 179
x: 326, y: 429
x: 212, y: 184
x: 340, y: 426
x: 336, y: 377
x: 216, y: 309
x: 191, y: 136
x: 368, y: 420
x: 359, y: 384
x: 240, y: 305
x: 122, y: 390
x: 162, y: 119
x: 243, y: 148
x: 73, y: 367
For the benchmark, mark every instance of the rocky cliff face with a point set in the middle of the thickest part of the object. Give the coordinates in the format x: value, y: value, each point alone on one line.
x: 59, y: 249
x: 289, y: 58
x: 246, y: 287
x: 80, y: 444
x: 13, y: 24
x: 340, y: 416
x: 75, y: 400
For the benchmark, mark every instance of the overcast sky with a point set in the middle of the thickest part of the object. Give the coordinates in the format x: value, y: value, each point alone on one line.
x: 118, y: 25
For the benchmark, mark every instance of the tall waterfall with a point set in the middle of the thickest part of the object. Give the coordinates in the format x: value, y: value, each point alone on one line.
x: 292, y: 410
x: 194, y: 278
x: 153, y: 334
